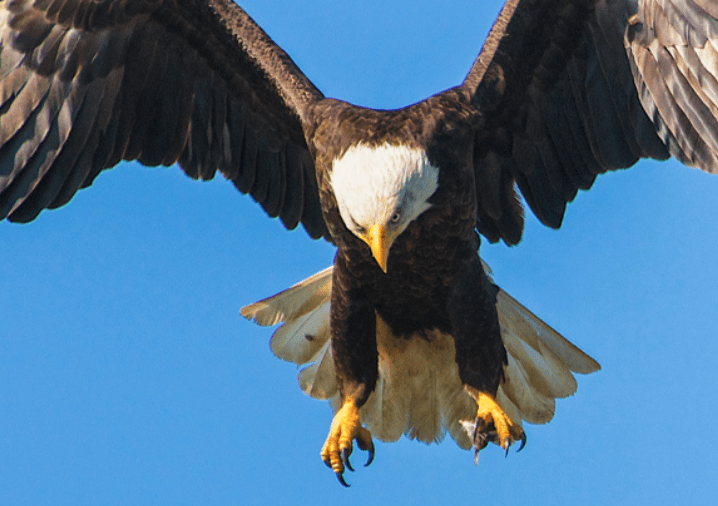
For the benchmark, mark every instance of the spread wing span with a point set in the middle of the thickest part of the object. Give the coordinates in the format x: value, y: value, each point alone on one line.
x: 567, y: 90
x: 87, y: 83
x: 563, y: 102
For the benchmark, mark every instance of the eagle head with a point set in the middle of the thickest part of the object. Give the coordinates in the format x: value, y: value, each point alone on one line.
x: 380, y: 190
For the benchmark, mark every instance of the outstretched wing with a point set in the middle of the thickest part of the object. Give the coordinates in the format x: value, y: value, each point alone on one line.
x: 570, y: 90
x: 87, y: 83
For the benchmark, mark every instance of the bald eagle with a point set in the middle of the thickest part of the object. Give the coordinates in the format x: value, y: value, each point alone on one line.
x: 561, y: 92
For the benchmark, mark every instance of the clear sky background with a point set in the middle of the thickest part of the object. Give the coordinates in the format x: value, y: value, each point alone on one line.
x: 127, y: 376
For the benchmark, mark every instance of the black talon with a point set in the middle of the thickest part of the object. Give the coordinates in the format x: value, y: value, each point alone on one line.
x: 327, y: 463
x: 371, y: 454
x: 523, y: 442
x: 508, y: 447
x: 340, y: 477
x: 345, y: 458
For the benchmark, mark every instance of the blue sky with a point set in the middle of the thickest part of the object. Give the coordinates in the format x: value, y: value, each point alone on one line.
x: 127, y: 375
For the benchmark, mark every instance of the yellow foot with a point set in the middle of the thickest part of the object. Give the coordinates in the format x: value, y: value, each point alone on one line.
x: 492, y: 425
x: 338, y: 446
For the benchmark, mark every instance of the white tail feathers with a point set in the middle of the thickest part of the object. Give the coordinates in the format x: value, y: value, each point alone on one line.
x: 293, y: 302
x: 418, y: 392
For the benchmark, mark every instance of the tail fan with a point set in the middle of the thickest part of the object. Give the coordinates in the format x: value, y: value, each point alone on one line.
x: 418, y: 392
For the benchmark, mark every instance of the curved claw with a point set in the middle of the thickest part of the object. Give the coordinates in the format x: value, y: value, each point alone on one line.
x: 340, y: 477
x: 523, y: 441
x: 371, y: 454
x: 345, y: 458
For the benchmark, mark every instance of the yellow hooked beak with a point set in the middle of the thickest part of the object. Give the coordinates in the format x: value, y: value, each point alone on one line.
x: 377, y: 240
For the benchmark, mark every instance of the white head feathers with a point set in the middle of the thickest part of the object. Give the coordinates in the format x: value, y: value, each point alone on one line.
x: 385, y: 185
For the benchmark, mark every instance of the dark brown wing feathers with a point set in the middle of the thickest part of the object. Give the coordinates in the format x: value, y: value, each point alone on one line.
x: 567, y: 90
x: 579, y: 88
x: 157, y: 81
x: 522, y: 58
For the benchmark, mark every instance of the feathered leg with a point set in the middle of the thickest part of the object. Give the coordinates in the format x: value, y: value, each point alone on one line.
x: 480, y: 355
x: 353, y: 329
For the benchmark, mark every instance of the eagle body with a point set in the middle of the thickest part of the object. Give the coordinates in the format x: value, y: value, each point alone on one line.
x: 434, y: 279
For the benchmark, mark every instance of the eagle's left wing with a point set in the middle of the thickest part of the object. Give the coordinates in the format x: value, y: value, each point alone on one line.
x: 570, y: 90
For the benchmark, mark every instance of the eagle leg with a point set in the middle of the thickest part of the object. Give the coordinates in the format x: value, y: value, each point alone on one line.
x: 492, y: 425
x: 338, y: 447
